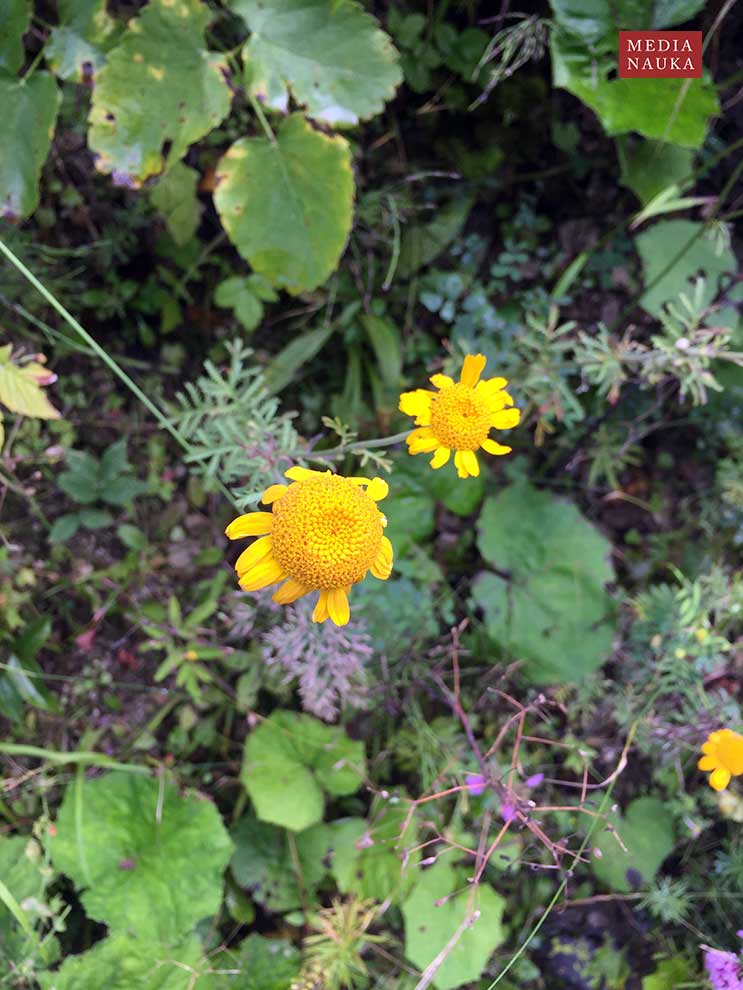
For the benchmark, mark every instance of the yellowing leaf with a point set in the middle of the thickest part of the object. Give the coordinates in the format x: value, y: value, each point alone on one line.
x: 287, y: 204
x: 332, y: 55
x: 20, y: 388
x: 159, y: 91
x: 76, y: 48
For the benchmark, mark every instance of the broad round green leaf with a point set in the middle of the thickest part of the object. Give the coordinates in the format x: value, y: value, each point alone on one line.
x: 262, y: 863
x: 29, y: 108
x: 175, y: 197
x: 126, y: 962
x: 660, y: 243
x: 159, y: 91
x: 291, y: 760
x: 430, y: 925
x: 77, y: 46
x: 287, y: 205
x: 331, y: 55
x: 262, y: 964
x: 646, y: 830
x: 147, y: 860
x: 14, y: 21
x: 547, y: 605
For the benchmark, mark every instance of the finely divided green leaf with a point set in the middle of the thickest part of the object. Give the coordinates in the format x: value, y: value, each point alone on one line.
x: 331, y: 55
x: 287, y: 204
x: 159, y: 91
x: 29, y: 108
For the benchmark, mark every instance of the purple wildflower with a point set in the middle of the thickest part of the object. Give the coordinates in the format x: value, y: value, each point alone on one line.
x: 535, y: 780
x: 475, y: 783
x: 724, y: 969
x: 508, y: 812
x: 327, y: 660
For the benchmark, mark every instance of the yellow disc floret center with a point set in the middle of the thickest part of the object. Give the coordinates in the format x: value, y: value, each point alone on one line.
x: 460, y: 418
x: 327, y: 532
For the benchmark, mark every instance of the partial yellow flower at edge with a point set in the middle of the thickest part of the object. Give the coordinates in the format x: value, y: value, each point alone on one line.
x: 324, y: 533
x: 723, y: 757
x: 459, y: 416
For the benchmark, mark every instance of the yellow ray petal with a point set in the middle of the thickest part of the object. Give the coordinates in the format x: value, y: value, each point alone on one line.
x: 338, y: 609
x: 289, y: 592
x: 298, y: 473
x: 707, y: 763
x: 493, y: 447
x: 378, y: 489
x: 441, y: 457
x: 417, y: 404
x: 470, y: 462
x: 320, y: 613
x: 719, y: 779
x: 441, y: 381
x: 265, y: 572
x: 255, y: 552
x: 472, y: 369
x: 489, y: 386
x: 459, y: 465
x: 274, y: 493
x: 423, y: 446
x: 709, y: 747
x: 386, y: 550
x: 506, y: 419
x: 381, y: 569
x: 251, y: 524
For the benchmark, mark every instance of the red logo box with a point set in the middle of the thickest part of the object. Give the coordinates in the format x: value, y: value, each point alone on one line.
x: 660, y: 54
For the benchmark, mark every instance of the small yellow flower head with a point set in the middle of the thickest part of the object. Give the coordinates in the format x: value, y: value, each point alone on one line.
x: 723, y: 755
x: 324, y: 533
x: 459, y: 417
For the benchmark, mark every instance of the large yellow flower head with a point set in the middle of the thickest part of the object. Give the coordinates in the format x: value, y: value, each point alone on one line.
x: 323, y: 533
x: 459, y: 417
x: 723, y: 755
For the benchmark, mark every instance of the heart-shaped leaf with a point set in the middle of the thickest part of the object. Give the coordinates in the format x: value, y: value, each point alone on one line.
x: 287, y: 204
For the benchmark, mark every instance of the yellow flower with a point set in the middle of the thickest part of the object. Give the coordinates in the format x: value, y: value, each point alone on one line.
x: 723, y: 755
x: 459, y: 417
x: 323, y: 533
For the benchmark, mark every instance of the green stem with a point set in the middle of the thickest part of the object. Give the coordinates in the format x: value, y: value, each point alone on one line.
x: 334, y: 453
x: 105, y: 357
x: 258, y: 109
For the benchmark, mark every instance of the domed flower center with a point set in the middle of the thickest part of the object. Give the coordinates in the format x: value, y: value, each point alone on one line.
x: 730, y: 752
x: 460, y: 418
x: 327, y: 532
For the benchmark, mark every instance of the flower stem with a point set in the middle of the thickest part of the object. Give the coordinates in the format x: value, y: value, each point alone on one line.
x: 334, y: 453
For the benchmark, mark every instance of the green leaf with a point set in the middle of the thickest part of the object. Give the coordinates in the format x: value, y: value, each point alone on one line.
x: 14, y: 22
x: 430, y: 925
x: 262, y: 964
x: 77, y: 48
x: 114, y: 461
x: 124, y: 490
x: 95, y: 518
x: 281, y: 370
x: 124, y: 961
x: 132, y: 844
x: 64, y: 527
x: 175, y: 197
x: 291, y: 760
x: 333, y: 57
x: 20, y: 878
x: 584, y: 55
x: 262, y: 863
x: 659, y: 244
x: 24, y: 148
x: 649, y: 167
x: 27, y: 679
x: 236, y: 293
x: 387, y: 345
x: 287, y: 204
x: 547, y: 606
x: 669, y: 975
x: 646, y: 829
x: 423, y: 243
x: 367, y: 857
x: 159, y: 91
